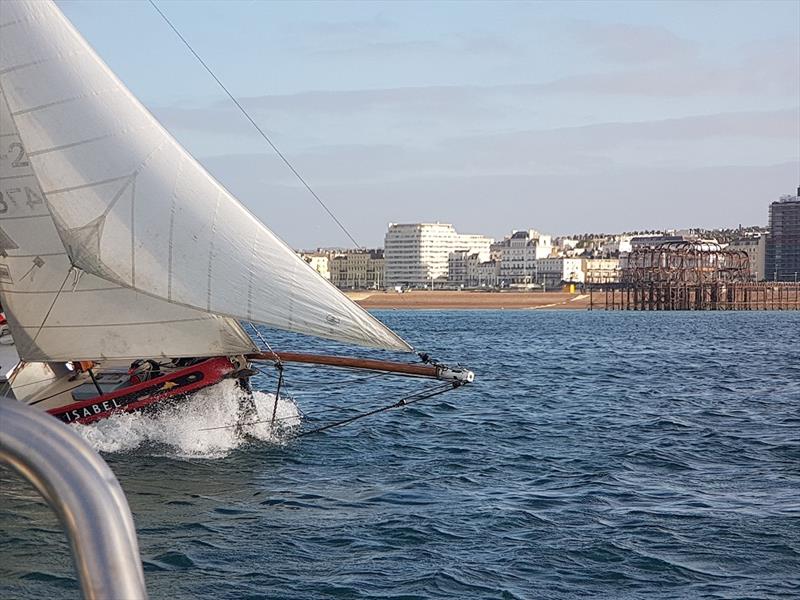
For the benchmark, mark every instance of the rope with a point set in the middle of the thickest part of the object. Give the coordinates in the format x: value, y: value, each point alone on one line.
x: 257, y: 128
x: 263, y: 340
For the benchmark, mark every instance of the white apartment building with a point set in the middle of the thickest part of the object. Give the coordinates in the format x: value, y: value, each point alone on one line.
x: 518, y: 254
x: 552, y: 272
x: 418, y: 254
x: 756, y: 248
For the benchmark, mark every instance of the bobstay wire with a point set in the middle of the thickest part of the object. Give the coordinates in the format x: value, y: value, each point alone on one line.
x: 405, y: 401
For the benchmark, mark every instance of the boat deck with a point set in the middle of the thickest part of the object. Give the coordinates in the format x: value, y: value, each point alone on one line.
x: 76, y: 387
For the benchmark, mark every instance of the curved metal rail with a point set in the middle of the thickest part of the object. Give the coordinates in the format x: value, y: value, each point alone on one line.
x: 85, y: 495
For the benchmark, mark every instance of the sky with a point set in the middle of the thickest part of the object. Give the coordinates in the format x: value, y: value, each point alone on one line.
x: 566, y: 117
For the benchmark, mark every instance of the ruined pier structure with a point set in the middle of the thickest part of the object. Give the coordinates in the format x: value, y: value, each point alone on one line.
x: 691, y: 276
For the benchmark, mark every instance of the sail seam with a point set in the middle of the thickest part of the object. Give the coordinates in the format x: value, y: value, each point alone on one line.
x: 133, y: 229
x: 10, y: 23
x: 211, y: 249
x: 71, y: 291
x: 70, y: 145
x: 41, y: 61
x: 43, y: 254
x: 251, y: 275
x: 32, y: 109
x: 84, y: 186
x: 118, y: 195
x: 172, y: 226
x: 24, y: 217
x: 82, y: 325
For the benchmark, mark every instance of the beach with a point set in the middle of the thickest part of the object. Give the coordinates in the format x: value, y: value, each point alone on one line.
x: 469, y: 300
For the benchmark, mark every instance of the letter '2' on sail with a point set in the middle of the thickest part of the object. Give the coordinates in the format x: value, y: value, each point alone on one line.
x: 132, y: 209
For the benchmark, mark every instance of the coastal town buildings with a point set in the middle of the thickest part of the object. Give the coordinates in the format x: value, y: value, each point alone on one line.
x: 652, y: 240
x: 319, y: 261
x: 436, y: 256
x: 358, y: 270
x: 469, y: 270
x: 457, y: 267
x: 601, y: 270
x: 783, y: 246
x: 616, y: 245
x: 418, y: 254
x: 518, y: 254
x: 483, y: 274
x: 553, y: 271
x: 756, y: 248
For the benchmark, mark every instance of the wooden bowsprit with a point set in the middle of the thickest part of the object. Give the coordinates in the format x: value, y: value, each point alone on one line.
x: 429, y: 370
x: 451, y: 378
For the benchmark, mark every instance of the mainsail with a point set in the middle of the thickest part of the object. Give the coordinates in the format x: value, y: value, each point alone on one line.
x: 59, y: 314
x: 133, y: 208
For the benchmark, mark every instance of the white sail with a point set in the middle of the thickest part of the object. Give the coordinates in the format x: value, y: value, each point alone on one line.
x: 57, y: 314
x: 134, y: 208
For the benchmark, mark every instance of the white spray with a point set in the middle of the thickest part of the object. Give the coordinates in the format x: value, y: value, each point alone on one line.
x: 201, y: 426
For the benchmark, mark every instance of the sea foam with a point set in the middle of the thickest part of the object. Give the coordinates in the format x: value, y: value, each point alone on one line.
x: 201, y: 426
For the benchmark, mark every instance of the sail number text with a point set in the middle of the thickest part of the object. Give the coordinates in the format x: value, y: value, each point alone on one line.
x: 14, y: 197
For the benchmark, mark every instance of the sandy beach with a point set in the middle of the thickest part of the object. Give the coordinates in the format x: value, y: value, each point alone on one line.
x: 470, y: 300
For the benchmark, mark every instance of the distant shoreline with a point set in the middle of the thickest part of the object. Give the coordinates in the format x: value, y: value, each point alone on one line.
x: 421, y: 300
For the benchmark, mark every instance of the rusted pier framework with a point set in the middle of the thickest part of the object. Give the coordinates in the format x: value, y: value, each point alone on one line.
x: 688, y: 296
x: 691, y: 276
x: 685, y: 262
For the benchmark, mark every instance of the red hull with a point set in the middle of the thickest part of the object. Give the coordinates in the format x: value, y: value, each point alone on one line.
x: 145, y: 394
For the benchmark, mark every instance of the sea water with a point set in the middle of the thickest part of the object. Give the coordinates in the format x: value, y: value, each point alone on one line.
x: 616, y: 455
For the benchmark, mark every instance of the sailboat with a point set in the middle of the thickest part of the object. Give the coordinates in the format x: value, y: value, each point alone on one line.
x: 126, y: 270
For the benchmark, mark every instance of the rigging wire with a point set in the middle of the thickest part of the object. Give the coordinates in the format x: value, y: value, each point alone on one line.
x: 257, y: 128
x: 404, y: 401
x: 263, y: 340
x: 49, y: 310
x: 411, y: 399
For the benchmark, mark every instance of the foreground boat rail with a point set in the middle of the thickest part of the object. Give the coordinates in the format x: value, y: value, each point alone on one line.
x: 85, y: 495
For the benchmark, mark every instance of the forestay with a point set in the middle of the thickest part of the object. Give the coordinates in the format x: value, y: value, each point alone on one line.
x: 58, y: 314
x: 134, y: 208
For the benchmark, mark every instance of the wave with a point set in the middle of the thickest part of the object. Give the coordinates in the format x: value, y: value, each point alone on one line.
x: 201, y: 426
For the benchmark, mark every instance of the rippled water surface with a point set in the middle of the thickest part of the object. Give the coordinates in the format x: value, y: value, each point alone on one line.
x: 619, y: 455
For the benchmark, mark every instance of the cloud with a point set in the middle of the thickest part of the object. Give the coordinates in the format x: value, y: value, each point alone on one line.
x: 378, y: 24
x: 705, y: 140
x: 476, y: 44
x: 768, y: 72
x: 634, y: 44
x: 776, y: 77
x: 622, y: 199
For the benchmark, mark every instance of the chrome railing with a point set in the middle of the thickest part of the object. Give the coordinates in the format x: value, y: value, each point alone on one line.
x: 85, y: 495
